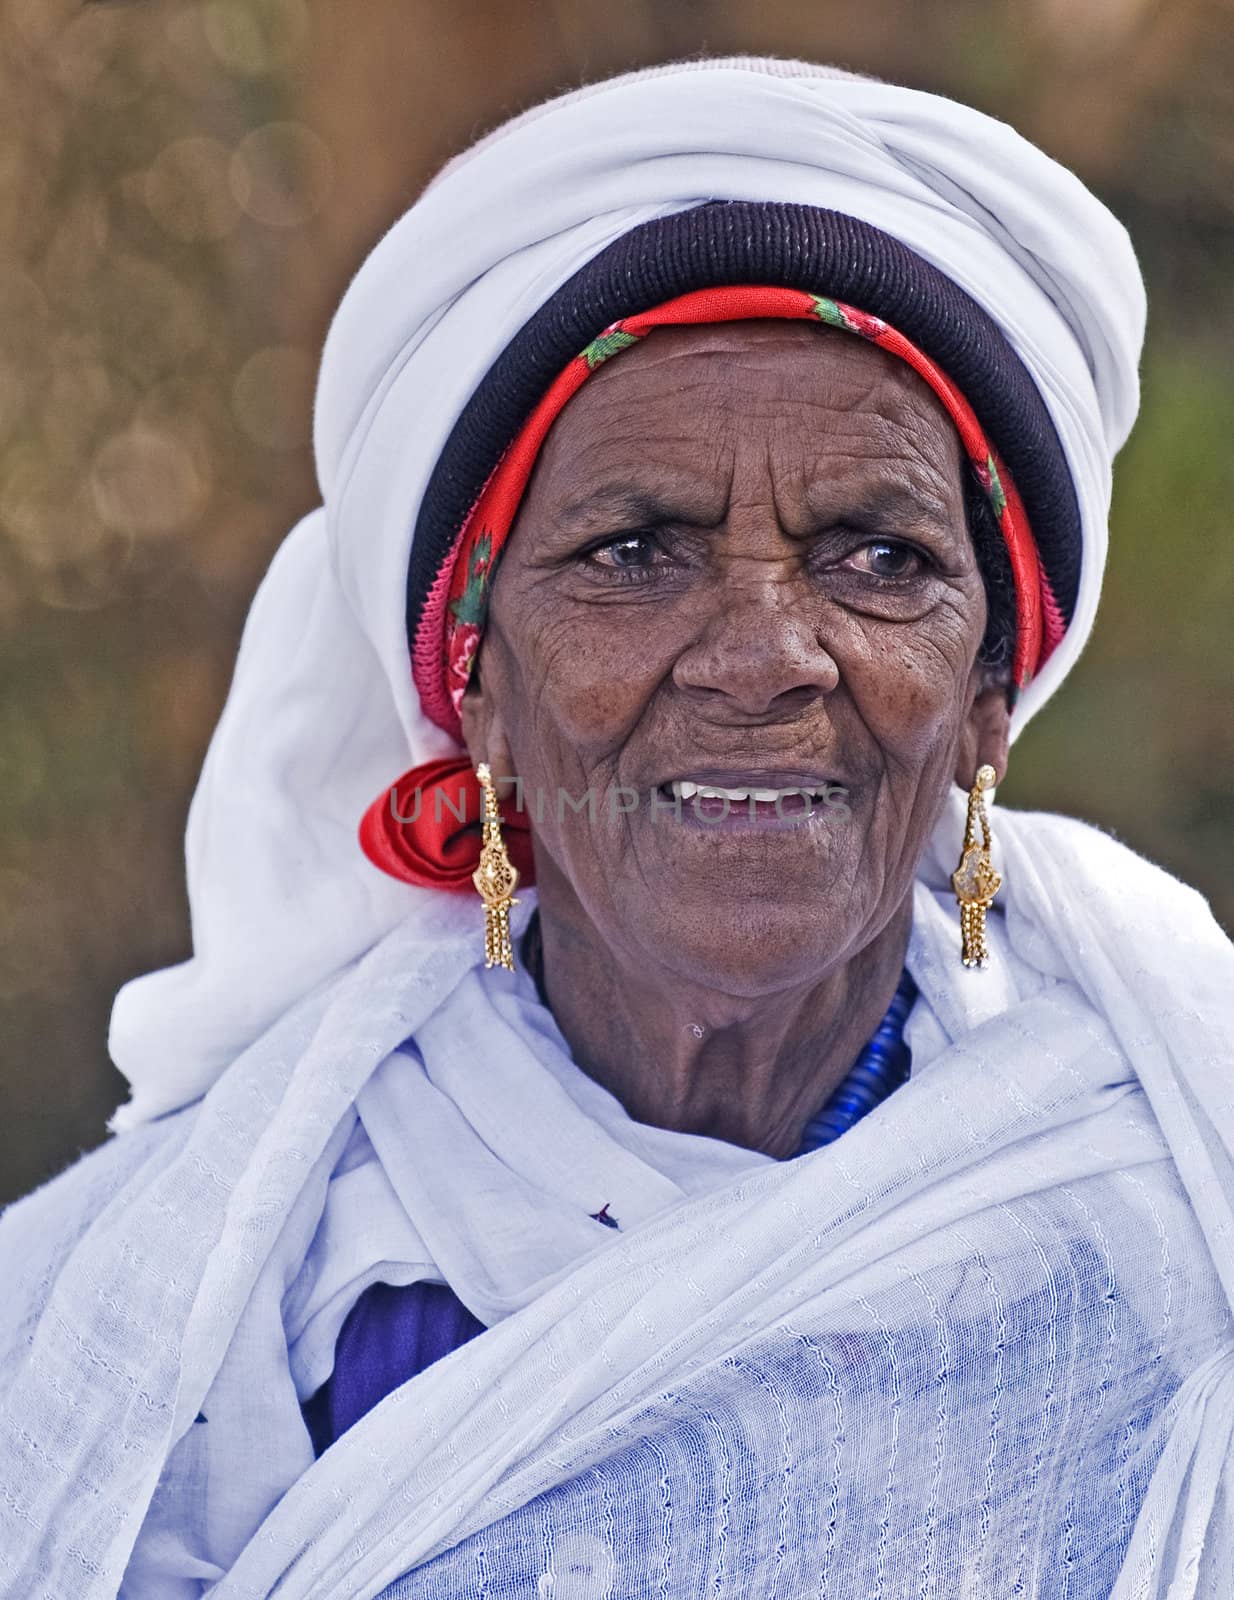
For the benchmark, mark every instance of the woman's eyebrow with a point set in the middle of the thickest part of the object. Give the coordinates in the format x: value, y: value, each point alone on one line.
x: 881, y: 508
x: 623, y: 505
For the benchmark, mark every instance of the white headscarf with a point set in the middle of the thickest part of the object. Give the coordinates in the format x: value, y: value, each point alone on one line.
x: 322, y: 713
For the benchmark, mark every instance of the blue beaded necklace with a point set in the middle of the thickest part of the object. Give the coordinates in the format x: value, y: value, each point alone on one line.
x: 881, y: 1067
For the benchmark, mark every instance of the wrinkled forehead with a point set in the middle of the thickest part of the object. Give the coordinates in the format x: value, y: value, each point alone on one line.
x: 690, y: 404
x: 771, y: 362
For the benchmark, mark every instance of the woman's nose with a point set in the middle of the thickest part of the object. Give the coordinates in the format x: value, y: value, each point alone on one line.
x: 758, y: 648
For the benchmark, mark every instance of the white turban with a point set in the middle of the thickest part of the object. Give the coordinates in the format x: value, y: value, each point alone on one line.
x: 322, y: 713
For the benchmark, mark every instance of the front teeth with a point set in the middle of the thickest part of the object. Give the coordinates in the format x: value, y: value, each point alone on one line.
x: 683, y: 789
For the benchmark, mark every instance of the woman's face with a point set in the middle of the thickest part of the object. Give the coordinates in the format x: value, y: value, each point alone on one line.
x: 741, y: 563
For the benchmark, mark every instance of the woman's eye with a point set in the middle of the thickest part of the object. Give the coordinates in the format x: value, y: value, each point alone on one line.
x: 632, y: 550
x: 887, y: 558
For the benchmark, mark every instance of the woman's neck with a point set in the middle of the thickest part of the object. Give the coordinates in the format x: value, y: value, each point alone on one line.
x: 680, y: 1055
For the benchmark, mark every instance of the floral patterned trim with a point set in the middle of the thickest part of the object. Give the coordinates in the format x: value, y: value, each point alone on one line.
x: 851, y: 320
x: 607, y: 344
x: 993, y: 485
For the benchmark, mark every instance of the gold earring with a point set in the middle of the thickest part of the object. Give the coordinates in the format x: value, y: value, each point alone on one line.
x: 496, y: 879
x: 975, y: 881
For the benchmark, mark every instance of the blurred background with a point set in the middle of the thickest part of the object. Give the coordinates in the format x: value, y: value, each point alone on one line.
x: 185, y: 188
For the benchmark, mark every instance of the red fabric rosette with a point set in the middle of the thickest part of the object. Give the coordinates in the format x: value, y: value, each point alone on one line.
x: 425, y: 828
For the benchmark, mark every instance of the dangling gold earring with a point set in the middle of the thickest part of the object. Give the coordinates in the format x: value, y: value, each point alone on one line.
x: 975, y: 881
x: 496, y: 879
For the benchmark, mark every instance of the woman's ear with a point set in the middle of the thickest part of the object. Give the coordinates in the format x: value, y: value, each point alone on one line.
x: 484, y: 732
x: 987, y: 736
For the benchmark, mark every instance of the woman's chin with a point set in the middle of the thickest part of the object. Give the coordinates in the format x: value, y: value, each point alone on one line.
x: 740, y: 948
x: 770, y: 868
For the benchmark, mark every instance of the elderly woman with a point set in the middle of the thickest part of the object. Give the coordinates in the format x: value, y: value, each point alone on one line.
x: 820, y: 1182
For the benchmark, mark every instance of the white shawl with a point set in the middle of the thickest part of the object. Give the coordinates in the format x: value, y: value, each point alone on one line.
x: 1093, y: 1060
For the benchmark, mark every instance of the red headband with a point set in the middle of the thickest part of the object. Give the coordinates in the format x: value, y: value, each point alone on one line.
x: 435, y: 849
x: 452, y: 621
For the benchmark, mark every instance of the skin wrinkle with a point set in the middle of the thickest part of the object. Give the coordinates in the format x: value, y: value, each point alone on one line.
x: 770, y: 455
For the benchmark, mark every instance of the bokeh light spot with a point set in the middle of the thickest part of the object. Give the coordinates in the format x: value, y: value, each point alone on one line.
x: 88, y: 62
x: 146, y: 482
x: 272, y: 397
x: 235, y: 36
x: 255, y: 37
x: 281, y: 174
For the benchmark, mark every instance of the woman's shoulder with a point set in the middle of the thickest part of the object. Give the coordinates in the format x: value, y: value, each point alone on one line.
x: 1100, y: 864
x: 39, y: 1232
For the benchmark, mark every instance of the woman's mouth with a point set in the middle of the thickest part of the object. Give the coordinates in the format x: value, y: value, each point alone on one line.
x: 754, y: 803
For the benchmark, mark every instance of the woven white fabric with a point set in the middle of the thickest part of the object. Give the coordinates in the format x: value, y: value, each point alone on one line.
x: 322, y: 715
x: 1057, y: 1176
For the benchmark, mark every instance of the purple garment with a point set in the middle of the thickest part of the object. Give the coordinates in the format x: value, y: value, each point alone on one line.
x: 390, y: 1335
